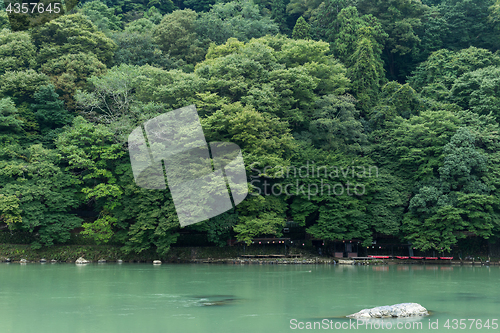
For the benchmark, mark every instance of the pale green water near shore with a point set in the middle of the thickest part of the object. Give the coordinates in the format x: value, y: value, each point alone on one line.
x: 63, y: 298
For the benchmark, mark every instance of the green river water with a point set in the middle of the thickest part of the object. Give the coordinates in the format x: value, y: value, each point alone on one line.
x: 95, y: 298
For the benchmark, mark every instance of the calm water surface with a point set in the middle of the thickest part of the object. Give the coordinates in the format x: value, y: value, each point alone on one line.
x: 53, y: 298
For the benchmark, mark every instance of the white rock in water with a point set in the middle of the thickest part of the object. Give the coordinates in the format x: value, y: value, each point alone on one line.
x: 81, y: 260
x: 397, y: 310
x: 156, y: 262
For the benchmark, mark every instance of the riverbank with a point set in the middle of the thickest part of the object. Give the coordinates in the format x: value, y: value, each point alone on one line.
x: 94, y: 253
x: 210, y: 255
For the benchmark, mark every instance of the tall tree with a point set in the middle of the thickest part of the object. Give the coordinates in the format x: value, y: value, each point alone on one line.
x: 301, y: 29
x: 478, y: 91
x: 72, y: 34
x: 366, y: 73
x: 278, y: 14
x: 103, y: 17
x: 177, y: 37
x: 70, y: 72
x: 17, y: 51
x: 49, y: 110
x: 400, y: 19
x: 239, y: 19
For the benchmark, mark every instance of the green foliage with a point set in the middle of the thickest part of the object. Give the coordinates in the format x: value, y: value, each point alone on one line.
x: 22, y: 85
x: 397, y: 100
x: 4, y: 20
x: 145, y: 218
x: 302, y: 7
x: 9, y: 123
x: 219, y: 228
x: 358, y: 43
x: 278, y: 15
x: 136, y: 45
x: 412, y: 148
x: 400, y: 19
x: 324, y: 20
x: 17, y: 51
x: 352, y: 28
x: 9, y: 210
x: 136, y: 48
x: 260, y: 216
x: 196, y: 5
x: 301, y: 29
x: 460, y: 203
x: 153, y: 15
x: 494, y: 16
x: 366, y: 73
x: 104, y: 18
x: 69, y: 73
x: 239, y: 19
x: 141, y: 26
x: 49, y: 110
x: 45, y: 193
x: 478, y: 91
x: 274, y: 75
x: 163, y: 6
x: 436, y: 76
x: 91, y: 153
x: 463, y: 165
x: 469, y: 24
x: 177, y: 37
x: 335, y: 125
x: 432, y: 33
x: 100, y: 230
x: 72, y: 34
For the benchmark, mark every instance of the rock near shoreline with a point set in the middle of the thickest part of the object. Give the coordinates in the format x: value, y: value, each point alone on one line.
x: 392, y: 311
x: 81, y: 260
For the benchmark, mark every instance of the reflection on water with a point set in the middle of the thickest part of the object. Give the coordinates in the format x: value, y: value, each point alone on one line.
x: 446, y: 268
x: 380, y: 268
x: 113, y: 298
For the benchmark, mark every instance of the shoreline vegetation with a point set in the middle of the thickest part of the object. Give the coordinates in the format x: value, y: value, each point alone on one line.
x: 16, y: 253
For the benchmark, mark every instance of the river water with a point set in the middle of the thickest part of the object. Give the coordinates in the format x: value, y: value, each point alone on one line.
x: 108, y: 298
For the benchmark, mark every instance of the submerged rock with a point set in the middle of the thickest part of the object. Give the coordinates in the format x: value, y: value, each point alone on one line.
x: 81, y: 260
x: 396, y: 311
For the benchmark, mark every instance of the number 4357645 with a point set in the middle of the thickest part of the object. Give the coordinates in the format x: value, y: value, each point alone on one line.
x: 34, y: 8
x: 471, y: 323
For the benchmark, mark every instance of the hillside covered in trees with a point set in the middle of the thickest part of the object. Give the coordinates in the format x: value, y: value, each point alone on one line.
x: 356, y: 118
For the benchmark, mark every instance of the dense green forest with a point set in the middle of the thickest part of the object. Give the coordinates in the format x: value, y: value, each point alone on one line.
x: 356, y: 118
